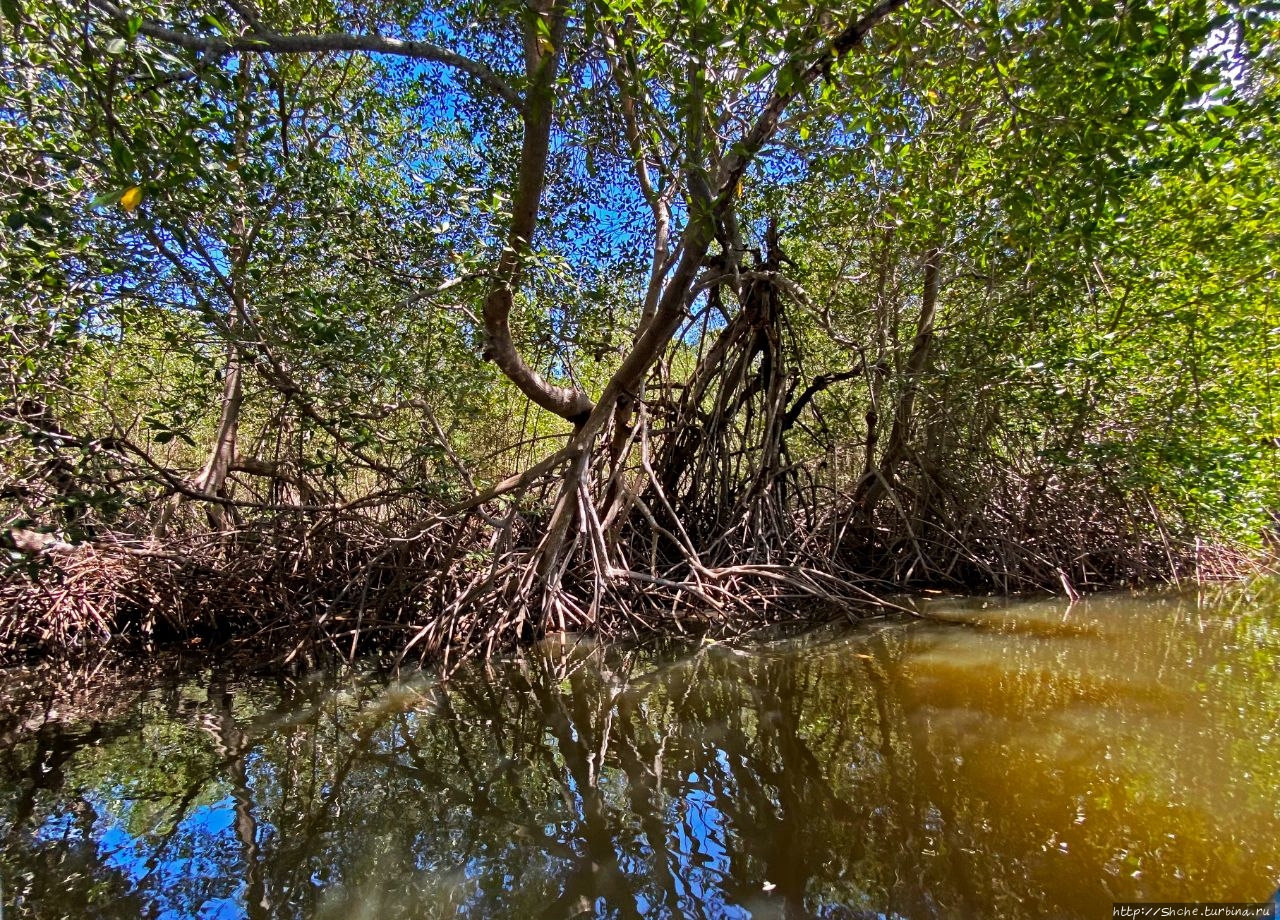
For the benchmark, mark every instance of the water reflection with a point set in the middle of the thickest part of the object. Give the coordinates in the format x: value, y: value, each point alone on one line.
x: 1023, y: 761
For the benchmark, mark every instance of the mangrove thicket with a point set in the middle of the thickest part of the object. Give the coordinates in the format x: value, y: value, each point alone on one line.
x: 441, y: 326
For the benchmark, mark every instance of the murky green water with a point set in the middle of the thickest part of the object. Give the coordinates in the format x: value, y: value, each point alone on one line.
x: 1029, y: 760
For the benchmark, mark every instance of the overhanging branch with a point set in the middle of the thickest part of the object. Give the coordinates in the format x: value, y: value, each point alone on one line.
x: 800, y: 77
x: 265, y: 41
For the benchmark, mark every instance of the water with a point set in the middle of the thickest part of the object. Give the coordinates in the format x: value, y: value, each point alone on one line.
x: 1018, y: 760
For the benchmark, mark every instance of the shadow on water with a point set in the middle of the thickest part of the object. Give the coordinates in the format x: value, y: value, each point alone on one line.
x: 1030, y: 760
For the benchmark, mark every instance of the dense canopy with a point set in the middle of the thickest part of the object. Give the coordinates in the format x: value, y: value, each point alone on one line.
x: 449, y: 325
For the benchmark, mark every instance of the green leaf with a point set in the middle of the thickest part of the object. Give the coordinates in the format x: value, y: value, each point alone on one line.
x: 786, y: 77
x: 106, y: 199
x: 12, y: 11
x: 213, y: 22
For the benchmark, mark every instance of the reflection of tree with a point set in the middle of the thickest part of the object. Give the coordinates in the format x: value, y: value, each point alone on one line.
x: 233, y: 745
x: 34, y: 871
x: 931, y: 772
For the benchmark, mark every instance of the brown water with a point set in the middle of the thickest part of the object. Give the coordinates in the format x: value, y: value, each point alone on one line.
x: 1019, y: 760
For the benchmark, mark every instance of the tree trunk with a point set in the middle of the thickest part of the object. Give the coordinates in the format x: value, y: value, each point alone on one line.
x: 875, y: 485
x: 222, y: 455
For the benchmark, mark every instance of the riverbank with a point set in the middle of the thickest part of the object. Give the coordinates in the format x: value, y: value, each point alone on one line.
x: 341, y: 596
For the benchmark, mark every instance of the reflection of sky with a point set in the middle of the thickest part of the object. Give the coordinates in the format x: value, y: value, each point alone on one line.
x: 193, y: 870
x: 699, y: 830
x: 438, y: 808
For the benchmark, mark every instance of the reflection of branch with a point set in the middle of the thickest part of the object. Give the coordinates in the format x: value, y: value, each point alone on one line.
x: 234, y: 742
x: 481, y: 804
x: 643, y: 785
x: 179, y: 812
x: 53, y: 749
x: 312, y: 825
x: 573, y: 728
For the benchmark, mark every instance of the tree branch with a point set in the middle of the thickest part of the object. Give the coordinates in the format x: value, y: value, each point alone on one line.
x: 735, y: 164
x: 264, y: 41
x: 819, y: 384
x: 707, y: 206
x: 539, y: 114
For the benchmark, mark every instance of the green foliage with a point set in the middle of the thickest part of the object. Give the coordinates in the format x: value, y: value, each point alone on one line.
x: 1107, y: 236
x: 1093, y: 179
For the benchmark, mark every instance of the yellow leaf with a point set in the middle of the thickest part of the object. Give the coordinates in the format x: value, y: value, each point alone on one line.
x: 546, y: 46
x: 131, y: 199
